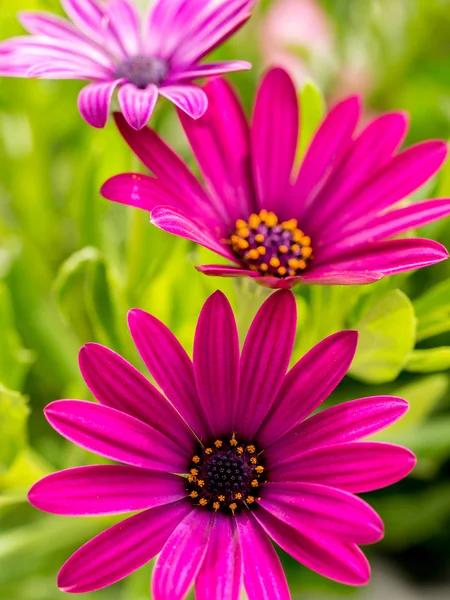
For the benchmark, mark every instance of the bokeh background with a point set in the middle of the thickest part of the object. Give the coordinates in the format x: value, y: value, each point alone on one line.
x: 71, y: 264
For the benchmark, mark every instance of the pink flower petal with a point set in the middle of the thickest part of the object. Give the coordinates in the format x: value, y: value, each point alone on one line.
x: 104, y: 490
x: 124, y: 22
x: 221, y: 144
x: 94, y: 101
x: 182, y: 556
x: 209, y: 70
x: 263, y: 574
x: 220, y: 573
x: 308, y: 507
x: 372, y: 149
x: 308, y: 384
x: 178, y: 223
x: 328, y: 146
x: 190, y: 99
x: 387, y: 225
x: 120, y: 550
x: 117, y: 384
x: 390, y: 257
x: 137, y: 105
x: 168, y: 167
x: 115, y: 435
x: 343, y: 423
x: 355, y: 467
x: 274, y: 136
x: 265, y: 358
x: 402, y: 175
x: 169, y: 365
x: 216, y: 364
x: 332, y: 558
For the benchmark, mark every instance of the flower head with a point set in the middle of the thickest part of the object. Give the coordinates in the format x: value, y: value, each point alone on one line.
x: 109, y: 44
x: 329, y: 221
x: 226, y: 462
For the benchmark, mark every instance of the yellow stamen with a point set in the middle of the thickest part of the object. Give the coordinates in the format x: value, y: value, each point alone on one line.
x: 240, y: 223
x: 253, y: 254
x: 263, y: 215
x: 306, y: 252
x: 254, y: 483
x: 208, y: 451
x: 254, y: 221
x: 283, y: 249
x: 306, y: 240
x: 243, y: 244
x: 295, y: 248
x: 193, y: 494
x: 297, y: 236
x: 301, y: 265
x: 194, y: 471
x: 203, y: 502
x: 244, y: 232
x: 281, y: 271
x: 293, y: 263
x: 274, y: 262
x: 234, y: 442
x: 251, y: 449
x: 290, y: 225
x: 259, y: 469
x: 259, y: 238
x: 238, y: 496
x: 200, y: 483
x: 240, y: 450
x: 218, y: 443
x: 233, y: 506
x: 263, y: 267
x: 271, y: 220
x: 196, y: 459
x: 250, y: 499
x: 216, y: 505
x: 253, y: 460
x: 221, y: 498
x: 191, y: 479
x: 261, y: 250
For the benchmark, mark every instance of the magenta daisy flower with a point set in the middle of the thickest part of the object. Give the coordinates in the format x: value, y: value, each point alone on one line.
x: 331, y: 221
x: 109, y: 44
x: 226, y: 462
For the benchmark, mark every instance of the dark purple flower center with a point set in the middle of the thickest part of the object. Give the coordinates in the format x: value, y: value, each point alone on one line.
x: 277, y: 249
x: 143, y: 70
x: 226, y: 476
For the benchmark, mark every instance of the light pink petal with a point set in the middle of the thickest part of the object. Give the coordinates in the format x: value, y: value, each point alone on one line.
x: 371, y: 150
x: 324, y: 276
x: 124, y: 22
x: 265, y: 358
x: 209, y: 70
x: 309, y: 507
x: 343, y: 423
x: 388, y: 225
x: 121, y: 550
x: 389, y: 258
x: 221, y: 144
x: 274, y: 136
x: 402, y: 175
x: 216, y: 364
x: 94, y: 101
x: 104, y: 490
x: 327, y: 148
x: 178, y: 223
x: 63, y: 70
x: 308, y: 384
x: 141, y: 191
x: 168, y: 167
x: 90, y: 17
x: 115, y: 435
x: 137, y: 105
x: 355, y: 467
x: 117, y: 384
x: 263, y: 574
x: 190, y: 99
x: 220, y: 573
x: 169, y: 365
x: 332, y: 558
x: 182, y: 556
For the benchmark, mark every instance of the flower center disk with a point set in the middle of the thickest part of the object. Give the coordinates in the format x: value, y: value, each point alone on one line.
x: 272, y: 248
x: 226, y: 476
x: 143, y: 70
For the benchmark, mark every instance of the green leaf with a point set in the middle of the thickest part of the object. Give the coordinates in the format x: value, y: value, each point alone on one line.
x: 386, y: 339
x: 14, y: 358
x: 14, y: 413
x: 312, y: 110
x: 429, y: 361
x: 433, y: 311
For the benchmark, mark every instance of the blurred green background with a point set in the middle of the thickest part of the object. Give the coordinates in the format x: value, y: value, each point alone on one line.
x: 71, y: 264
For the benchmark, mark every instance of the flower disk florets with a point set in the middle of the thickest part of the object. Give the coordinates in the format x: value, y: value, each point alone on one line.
x: 272, y: 248
x: 141, y: 71
x: 226, y: 476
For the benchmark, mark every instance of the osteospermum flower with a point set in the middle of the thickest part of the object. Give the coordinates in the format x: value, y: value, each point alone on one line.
x: 109, y: 44
x: 226, y: 462
x: 330, y: 221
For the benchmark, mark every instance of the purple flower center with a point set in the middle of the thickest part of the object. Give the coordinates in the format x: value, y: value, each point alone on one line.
x: 225, y: 476
x: 272, y: 248
x: 143, y: 70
